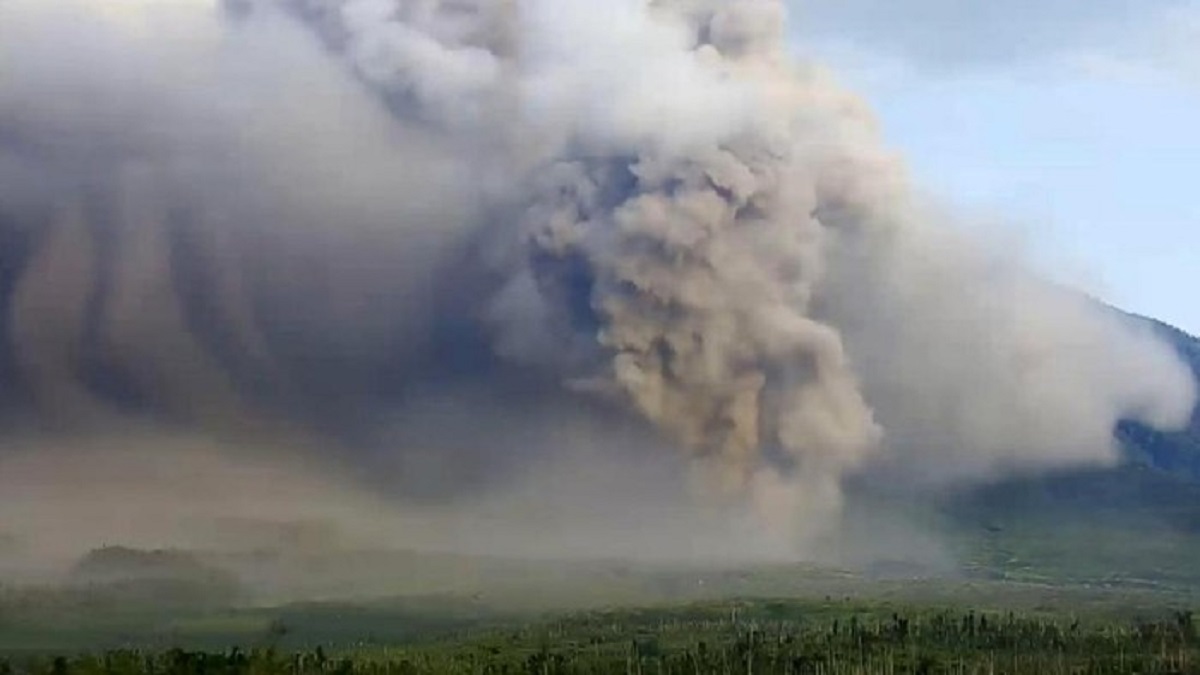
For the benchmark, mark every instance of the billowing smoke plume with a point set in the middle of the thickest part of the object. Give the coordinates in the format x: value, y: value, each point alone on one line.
x: 316, y: 212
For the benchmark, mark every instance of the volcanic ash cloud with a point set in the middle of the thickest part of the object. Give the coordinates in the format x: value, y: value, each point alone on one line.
x: 661, y: 209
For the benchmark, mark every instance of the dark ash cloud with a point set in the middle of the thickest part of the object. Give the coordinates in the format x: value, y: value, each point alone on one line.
x: 428, y: 246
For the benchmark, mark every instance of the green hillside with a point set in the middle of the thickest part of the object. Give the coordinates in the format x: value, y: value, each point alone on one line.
x: 1177, y: 452
x: 1137, y: 524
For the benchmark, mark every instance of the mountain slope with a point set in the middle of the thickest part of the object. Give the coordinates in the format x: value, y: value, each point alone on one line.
x: 1175, y: 452
x: 1138, y: 523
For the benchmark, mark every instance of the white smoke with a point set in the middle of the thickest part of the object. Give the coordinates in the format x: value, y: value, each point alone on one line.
x: 671, y: 215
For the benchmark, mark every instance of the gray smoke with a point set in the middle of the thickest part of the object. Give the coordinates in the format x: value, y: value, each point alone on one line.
x: 301, y: 216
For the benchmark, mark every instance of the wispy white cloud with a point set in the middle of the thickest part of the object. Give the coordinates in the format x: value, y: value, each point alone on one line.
x: 1162, y: 47
x: 1121, y: 39
x: 953, y: 34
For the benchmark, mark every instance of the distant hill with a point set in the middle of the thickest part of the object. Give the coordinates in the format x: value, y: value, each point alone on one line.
x: 1136, y: 524
x: 1176, y: 452
x: 160, y: 578
x: 120, y: 563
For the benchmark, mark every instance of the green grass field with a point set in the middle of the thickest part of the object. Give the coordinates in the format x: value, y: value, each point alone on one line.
x: 441, y: 635
x: 612, y: 618
x: 1044, y: 581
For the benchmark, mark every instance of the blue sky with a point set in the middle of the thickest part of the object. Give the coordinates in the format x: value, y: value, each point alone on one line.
x: 1076, y: 124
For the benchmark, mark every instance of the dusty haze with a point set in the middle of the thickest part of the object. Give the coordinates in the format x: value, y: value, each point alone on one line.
x: 542, y: 277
